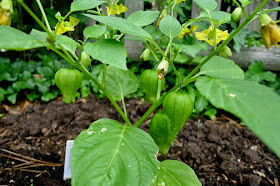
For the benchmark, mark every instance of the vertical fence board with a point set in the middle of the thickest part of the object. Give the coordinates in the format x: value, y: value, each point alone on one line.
x: 134, y: 48
x: 254, y: 25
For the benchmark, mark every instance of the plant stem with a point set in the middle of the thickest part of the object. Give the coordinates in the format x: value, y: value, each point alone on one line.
x: 152, y: 50
x: 44, y: 15
x: 188, y: 79
x: 175, y: 70
x: 159, y: 49
x: 123, y: 102
x: 104, y: 76
x: 36, y: 18
x: 159, y: 89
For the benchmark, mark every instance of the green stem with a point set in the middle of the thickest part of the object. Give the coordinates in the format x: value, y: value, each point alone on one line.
x: 188, y: 78
x: 159, y: 89
x: 175, y: 70
x: 104, y: 75
x: 88, y: 74
x: 123, y: 103
x: 159, y: 49
x: 152, y: 51
x: 168, y: 46
x: 36, y: 18
x: 44, y: 15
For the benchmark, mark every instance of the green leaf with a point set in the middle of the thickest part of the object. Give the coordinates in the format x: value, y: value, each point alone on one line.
x: 170, y: 26
x: 200, y: 103
x: 122, y: 25
x: 108, y: 153
x: 108, y: 51
x: 3, y: 92
x: 94, y: 31
x: 32, y: 96
x: 12, y: 98
x: 143, y: 18
x: 239, y: 39
x: 68, y: 43
x: 81, y: 5
x: 192, y: 50
x: 220, y: 16
x: 175, y: 173
x: 256, y: 72
x: 45, y: 71
x: 119, y: 82
x: 222, y: 68
x: 257, y: 105
x: 245, y: 2
x: 39, y: 35
x: 13, y: 39
x: 265, y: 11
x: 206, y: 5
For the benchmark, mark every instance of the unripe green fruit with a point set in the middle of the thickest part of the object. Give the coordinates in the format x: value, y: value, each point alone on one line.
x: 161, y: 133
x: 178, y: 106
x: 149, y: 83
x: 68, y: 81
x: 236, y: 14
x: 85, y: 59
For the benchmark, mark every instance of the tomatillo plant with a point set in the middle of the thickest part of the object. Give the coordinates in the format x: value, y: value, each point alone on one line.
x: 111, y: 153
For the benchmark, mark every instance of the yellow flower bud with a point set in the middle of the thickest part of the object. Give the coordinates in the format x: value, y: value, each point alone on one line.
x: 270, y: 31
x: 116, y: 9
x: 161, y: 16
x: 67, y: 26
x: 6, y: 18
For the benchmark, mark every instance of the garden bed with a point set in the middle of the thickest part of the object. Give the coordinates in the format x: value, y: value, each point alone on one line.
x: 222, y: 152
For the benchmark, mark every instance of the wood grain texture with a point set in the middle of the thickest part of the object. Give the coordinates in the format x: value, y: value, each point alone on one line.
x: 134, y: 48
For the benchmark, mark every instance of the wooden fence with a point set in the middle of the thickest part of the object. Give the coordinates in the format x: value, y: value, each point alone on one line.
x: 270, y: 58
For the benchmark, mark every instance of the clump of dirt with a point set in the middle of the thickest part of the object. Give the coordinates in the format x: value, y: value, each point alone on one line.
x: 221, y: 152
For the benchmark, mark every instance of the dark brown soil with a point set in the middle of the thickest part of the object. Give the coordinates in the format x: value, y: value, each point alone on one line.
x: 221, y: 152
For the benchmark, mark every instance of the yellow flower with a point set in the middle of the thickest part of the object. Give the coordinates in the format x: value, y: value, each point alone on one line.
x: 187, y: 31
x: 116, y: 9
x: 179, y: 1
x: 270, y: 31
x: 67, y: 26
x: 6, y: 10
x: 277, y: 0
x: 208, y: 35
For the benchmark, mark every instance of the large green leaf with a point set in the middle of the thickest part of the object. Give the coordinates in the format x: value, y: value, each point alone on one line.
x: 80, y: 5
x: 39, y: 35
x: 68, y: 43
x: 143, y: 18
x: 13, y: 39
x: 222, y: 68
x: 192, y: 50
x: 206, y: 5
x: 108, y: 51
x: 220, y: 16
x: 122, y: 25
x: 257, y: 105
x: 119, y: 82
x: 94, y: 31
x: 170, y: 26
x: 108, y: 153
x: 256, y: 72
x: 175, y: 173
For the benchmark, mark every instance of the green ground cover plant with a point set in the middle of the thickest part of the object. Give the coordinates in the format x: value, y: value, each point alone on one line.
x: 114, y: 153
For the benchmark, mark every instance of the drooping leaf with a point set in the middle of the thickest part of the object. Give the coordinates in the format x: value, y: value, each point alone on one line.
x: 175, y: 173
x: 119, y: 82
x: 122, y: 25
x: 170, y: 26
x: 108, y: 153
x: 94, y: 31
x: 108, y: 51
x: 220, y: 16
x: 206, y: 5
x: 13, y: 39
x: 265, y: 11
x: 143, y: 18
x: 222, y: 68
x: 257, y: 105
x: 192, y: 50
x: 81, y: 5
x: 68, y: 43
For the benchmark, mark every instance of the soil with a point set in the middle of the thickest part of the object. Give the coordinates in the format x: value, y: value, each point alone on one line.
x: 222, y: 152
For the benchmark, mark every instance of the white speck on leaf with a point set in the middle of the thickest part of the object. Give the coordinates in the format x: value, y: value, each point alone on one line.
x: 162, y: 183
x: 232, y: 95
x: 89, y: 132
x: 103, y: 130
x: 122, y: 143
x: 129, y: 166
